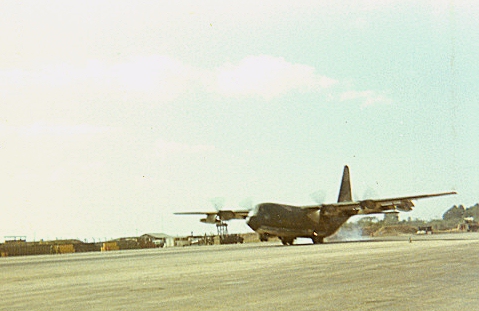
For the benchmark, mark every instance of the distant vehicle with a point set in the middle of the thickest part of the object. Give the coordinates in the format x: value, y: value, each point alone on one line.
x: 289, y: 222
x: 159, y: 243
x: 231, y: 239
x: 424, y: 230
x: 469, y: 225
x: 202, y: 239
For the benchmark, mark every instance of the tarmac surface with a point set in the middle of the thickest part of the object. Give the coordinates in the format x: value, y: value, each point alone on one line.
x: 434, y: 272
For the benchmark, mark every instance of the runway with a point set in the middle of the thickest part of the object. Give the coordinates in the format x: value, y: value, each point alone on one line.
x: 438, y: 272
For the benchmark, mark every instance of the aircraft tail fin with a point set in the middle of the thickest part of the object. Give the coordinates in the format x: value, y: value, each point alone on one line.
x: 345, y: 190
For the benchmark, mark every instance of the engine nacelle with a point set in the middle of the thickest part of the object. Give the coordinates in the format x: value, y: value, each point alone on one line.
x: 226, y: 215
x: 405, y: 206
x: 370, y: 205
x: 210, y: 219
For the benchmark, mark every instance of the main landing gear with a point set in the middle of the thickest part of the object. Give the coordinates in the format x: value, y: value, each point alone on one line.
x: 287, y: 240
x: 317, y: 239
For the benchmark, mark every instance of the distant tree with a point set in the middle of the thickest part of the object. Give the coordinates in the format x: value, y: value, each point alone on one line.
x: 472, y: 211
x: 455, y: 213
x: 438, y: 224
x: 367, y: 221
x: 369, y: 224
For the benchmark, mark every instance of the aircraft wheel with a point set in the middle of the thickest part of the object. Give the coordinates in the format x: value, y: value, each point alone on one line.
x: 317, y: 239
x: 287, y: 241
x: 263, y: 237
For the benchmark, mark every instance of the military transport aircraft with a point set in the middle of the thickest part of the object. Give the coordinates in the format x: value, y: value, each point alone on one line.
x: 289, y: 222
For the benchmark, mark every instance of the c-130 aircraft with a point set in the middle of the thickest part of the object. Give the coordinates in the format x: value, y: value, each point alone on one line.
x: 288, y: 222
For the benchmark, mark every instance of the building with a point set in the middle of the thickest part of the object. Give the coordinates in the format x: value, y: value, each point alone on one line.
x: 158, y: 239
x: 391, y: 217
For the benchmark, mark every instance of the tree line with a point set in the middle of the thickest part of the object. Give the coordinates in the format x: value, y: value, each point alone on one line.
x: 454, y: 216
x: 457, y: 214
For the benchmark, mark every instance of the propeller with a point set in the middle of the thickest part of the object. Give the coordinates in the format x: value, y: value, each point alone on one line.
x: 369, y: 193
x: 228, y: 213
x: 247, y: 204
x: 218, y: 203
x: 318, y: 196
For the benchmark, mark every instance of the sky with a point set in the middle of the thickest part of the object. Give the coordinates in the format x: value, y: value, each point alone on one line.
x: 116, y: 114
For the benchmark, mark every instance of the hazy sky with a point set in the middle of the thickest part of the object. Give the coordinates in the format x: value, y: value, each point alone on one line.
x: 115, y: 114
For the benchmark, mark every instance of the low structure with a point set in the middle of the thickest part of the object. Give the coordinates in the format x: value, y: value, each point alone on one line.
x: 158, y: 239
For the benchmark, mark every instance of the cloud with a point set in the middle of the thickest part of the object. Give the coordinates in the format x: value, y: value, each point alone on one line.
x: 170, y: 147
x: 49, y: 132
x: 269, y: 77
x: 46, y: 152
x: 37, y: 129
x: 263, y: 75
x: 158, y: 79
x: 158, y: 73
x: 367, y: 98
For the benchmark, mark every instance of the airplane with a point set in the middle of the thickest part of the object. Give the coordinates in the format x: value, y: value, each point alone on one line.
x: 288, y: 222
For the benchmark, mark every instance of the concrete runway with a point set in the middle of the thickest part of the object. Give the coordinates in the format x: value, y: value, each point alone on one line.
x: 438, y: 272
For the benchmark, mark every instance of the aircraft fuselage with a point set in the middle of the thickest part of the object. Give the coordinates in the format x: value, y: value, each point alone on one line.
x: 289, y: 222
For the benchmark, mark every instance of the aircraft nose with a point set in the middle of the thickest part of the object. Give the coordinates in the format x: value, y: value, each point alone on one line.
x: 252, y: 222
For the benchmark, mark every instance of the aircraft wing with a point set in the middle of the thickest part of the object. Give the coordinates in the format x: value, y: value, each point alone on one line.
x: 373, y: 206
x: 220, y: 215
x: 403, y: 204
